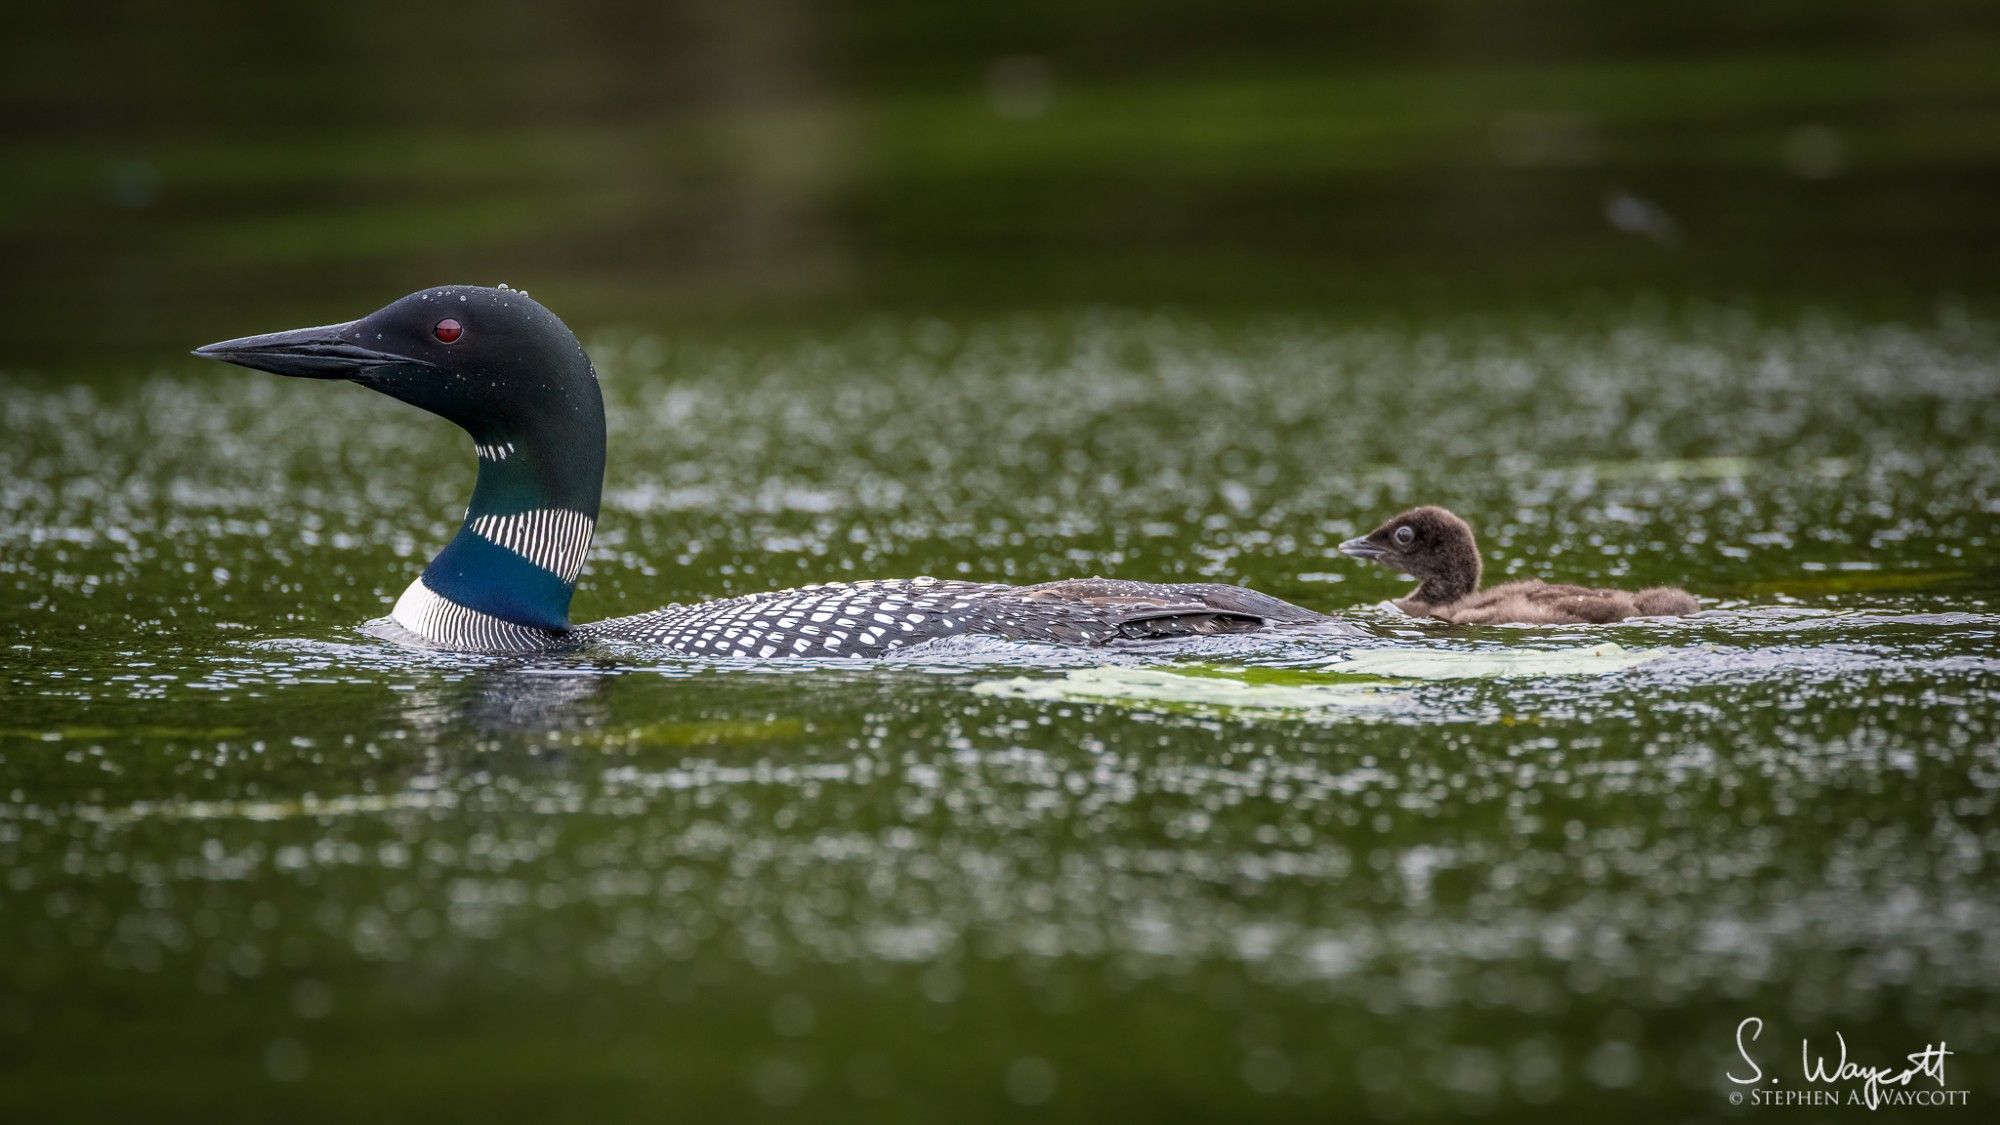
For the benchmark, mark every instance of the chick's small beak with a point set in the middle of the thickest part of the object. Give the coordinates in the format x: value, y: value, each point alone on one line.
x: 1360, y: 548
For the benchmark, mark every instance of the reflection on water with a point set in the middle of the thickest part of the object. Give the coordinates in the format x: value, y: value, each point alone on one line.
x: 519, y: 696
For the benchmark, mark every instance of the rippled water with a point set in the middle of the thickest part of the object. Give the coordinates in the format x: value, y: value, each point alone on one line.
x: 1411, y: 871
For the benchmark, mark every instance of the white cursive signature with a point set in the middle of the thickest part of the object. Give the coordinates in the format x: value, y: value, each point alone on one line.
x: 1927, y: 1063
x: 1756, y: 1072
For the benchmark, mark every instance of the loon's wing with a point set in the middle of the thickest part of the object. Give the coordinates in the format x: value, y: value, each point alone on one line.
x: 1145, y: 610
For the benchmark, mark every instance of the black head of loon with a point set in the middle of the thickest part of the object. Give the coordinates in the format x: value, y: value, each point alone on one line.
x: 512, y: 375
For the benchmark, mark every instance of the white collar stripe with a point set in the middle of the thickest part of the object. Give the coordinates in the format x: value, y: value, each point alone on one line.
x: 441, y: 621
x: 555, y: 539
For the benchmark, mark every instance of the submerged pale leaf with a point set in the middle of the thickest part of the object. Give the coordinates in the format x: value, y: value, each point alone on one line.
x: 1195, y: 692
x: 1346, y: 688
x: 1596, y: 660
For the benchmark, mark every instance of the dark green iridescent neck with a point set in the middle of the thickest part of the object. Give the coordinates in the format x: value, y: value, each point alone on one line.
x: 531, y: 514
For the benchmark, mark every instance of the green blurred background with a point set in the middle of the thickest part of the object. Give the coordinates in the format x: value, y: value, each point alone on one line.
x: 175, y: 173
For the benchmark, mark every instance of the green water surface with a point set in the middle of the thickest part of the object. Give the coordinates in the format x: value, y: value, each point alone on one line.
x: 260, y: 862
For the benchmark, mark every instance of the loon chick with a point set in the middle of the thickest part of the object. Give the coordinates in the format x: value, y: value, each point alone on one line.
x: 509, y: 373
x: 1436, y: 546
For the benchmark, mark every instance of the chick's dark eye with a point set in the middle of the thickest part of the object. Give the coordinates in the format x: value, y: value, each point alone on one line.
x: 448, y: 331
x: 1405, y: 535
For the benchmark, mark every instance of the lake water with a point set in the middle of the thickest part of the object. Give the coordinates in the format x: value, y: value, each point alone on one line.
x: 257, y: 859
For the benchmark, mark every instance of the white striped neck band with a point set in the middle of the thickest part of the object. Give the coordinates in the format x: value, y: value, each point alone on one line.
x: 555, y: 539
x: 446, y: 623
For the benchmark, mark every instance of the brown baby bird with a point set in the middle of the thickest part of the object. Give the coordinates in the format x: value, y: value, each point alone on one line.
x: 1437, y: 548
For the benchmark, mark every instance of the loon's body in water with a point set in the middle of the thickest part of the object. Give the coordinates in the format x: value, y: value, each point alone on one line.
x: 509, y: 373
x: 1438, y: 548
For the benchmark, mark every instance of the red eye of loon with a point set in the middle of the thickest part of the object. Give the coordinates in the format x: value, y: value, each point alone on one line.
x: 448, y: 331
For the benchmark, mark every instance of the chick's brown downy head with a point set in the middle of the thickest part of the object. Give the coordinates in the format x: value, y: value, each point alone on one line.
x: 1426, y: 543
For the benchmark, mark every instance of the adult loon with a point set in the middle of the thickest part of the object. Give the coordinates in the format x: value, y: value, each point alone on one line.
x: 514, y: 377
x: 1437, y: 547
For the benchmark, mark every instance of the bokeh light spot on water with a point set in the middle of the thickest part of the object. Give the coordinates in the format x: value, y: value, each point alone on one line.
x: 1030, y: 1081
x: 1426, y: 870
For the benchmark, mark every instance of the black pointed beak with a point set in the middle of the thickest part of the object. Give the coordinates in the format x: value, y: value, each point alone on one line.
x: 325, y: 352
x: 1361, y: 548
